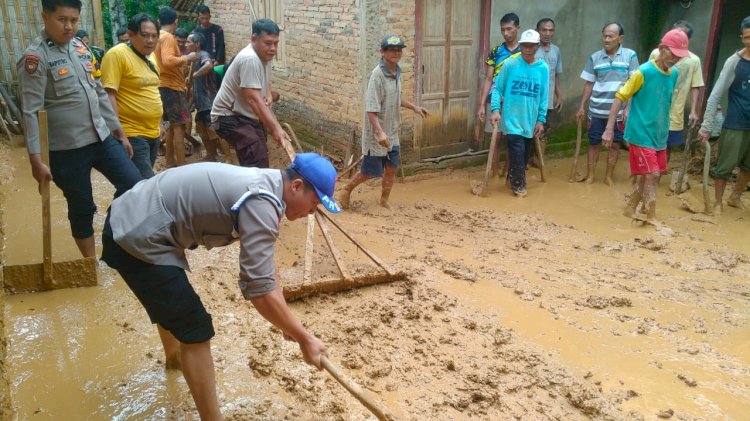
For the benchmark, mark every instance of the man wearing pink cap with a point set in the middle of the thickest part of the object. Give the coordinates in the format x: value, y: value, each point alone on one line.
x: 647, y: 129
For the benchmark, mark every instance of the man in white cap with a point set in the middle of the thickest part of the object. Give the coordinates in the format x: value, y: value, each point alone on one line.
x: 149, y: 228
x: 521, y: 86
x: 650, y: 91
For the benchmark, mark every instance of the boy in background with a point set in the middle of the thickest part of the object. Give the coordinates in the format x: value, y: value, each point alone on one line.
x: 205, y: 87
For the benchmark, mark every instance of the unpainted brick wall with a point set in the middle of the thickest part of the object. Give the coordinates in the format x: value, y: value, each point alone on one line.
x: 331, y: 47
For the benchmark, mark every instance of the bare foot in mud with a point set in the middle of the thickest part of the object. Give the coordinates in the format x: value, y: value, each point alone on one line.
x: 589, y: 180
x: 608, y: 181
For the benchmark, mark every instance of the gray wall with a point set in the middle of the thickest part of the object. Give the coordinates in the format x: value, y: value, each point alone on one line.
x: 735, y: 11
x: 578, y: 25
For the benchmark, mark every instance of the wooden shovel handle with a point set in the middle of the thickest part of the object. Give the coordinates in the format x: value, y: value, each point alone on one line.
x: 490, y: 159
x: 574, y: 168
x: 376, y: 407
x: 540, y: 154
x: 46, y: 211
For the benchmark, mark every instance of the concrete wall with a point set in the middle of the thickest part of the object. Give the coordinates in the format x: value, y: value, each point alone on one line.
x: 578, y: 25
x: 735, y: 11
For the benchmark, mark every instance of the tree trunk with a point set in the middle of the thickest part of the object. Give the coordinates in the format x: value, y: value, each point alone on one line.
x: 118, y: 17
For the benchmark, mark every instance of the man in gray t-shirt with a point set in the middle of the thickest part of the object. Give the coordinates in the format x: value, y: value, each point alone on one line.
x: 149, y: 228
x: 241, y: 112
x: 550, y: 54
x: 381, y: 146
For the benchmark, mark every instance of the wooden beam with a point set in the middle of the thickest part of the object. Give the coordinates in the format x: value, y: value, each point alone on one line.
x: 98, y: 23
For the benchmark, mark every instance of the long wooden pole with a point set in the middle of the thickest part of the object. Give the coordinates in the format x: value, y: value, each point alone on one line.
x: 46, y: 218
x: 377, y: 408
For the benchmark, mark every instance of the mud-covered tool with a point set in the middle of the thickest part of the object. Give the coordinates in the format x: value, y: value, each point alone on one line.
x: 482, y: 191
x: 309, y: 288
x: 48, y: 275
x: 685, y: 159
x: 376, y: 407
x: 706, y: 167
x: 575, y: 177
x: 540, y: 155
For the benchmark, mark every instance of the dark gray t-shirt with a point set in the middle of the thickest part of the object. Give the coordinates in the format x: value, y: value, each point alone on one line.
x: 204, y: 87
x: 738, y: 108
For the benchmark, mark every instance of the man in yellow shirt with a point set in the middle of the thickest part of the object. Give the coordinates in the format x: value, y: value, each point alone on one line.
x: 690, y: 80
x: 131, y: 78
x: 172, y: 86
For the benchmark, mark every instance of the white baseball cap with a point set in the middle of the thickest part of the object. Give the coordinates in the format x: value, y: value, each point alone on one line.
x: 529, y: 36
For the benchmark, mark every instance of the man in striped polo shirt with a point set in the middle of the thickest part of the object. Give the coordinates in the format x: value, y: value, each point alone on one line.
x: 605, y: 72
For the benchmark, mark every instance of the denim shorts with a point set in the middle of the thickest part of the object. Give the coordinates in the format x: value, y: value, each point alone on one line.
x: 145, y: 151
x: 373, y: 166
x: 596, y: 128
x: 71, y: 172
x: 203, y: 117
x: 164, y: 291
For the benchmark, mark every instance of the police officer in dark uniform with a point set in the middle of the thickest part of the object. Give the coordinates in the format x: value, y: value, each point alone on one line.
x: 56, y: 74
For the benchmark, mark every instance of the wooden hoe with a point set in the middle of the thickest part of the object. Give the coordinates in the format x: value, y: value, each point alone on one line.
x: 47, y: 275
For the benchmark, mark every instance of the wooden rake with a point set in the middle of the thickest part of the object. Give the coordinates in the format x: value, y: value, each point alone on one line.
x: 347, y: 281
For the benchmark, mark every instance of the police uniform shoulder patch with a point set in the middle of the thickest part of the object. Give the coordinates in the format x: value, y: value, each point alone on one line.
x: 31, y: 63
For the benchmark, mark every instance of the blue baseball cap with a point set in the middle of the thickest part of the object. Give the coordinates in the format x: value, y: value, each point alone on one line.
x: 319, y: 172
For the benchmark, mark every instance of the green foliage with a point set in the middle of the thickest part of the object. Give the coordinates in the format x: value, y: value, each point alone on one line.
x: 132, y: 8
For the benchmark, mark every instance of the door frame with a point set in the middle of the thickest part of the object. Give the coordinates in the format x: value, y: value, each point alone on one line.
x: 485, y: 16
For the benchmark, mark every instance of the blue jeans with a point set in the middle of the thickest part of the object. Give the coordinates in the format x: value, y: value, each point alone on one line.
x: 519, y: 151
x: 145, y: 150
x: 71, y: 172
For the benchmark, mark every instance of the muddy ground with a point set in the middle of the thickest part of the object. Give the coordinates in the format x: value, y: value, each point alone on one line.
x: 548, y: 307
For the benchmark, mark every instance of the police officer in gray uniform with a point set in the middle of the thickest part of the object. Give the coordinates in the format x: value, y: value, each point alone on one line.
x: 149, y: 228
x: 55, y: 73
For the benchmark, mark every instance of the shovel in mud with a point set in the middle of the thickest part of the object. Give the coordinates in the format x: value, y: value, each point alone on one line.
x: 480, y: 188
x: 48, y: 275
x: 575, y: 177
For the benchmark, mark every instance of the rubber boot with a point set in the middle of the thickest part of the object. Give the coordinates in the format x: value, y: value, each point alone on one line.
x: 384, y: 195
x: 735, y: 201
x: 610, y: 173
x: 632, y: 204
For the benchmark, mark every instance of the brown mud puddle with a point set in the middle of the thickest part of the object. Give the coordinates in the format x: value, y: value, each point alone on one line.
x: 548, y: 307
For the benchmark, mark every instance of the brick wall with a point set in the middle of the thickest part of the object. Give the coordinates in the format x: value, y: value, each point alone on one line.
x: 331, y: 47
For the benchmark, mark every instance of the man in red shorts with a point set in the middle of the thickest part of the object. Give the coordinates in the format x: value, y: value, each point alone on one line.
x: 650, y: 88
